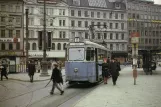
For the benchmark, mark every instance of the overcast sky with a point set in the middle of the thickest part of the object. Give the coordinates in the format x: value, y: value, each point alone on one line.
x: 157, y: 1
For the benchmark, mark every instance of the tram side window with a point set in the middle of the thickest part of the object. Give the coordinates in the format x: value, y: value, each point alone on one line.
x: 90, y: 54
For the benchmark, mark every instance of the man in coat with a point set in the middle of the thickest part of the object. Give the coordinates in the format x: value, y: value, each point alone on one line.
x: 57, y: 78
x: 3, y: 72
x: 114, y: 71
x: 31, y: 70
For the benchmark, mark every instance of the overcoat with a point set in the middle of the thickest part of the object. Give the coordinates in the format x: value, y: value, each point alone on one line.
x: 114, y: 69
x: 56, y: 76
x: 105, y: 69
x: 3, y: 70
x: 31, y: 68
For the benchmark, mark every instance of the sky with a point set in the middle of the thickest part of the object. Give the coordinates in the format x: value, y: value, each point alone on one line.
x: 157, y: 1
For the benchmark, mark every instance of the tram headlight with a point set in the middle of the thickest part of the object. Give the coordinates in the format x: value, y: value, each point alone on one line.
x: 75, y: 70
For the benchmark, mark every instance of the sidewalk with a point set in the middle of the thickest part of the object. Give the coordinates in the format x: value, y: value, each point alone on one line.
x: 25, y: 78
x: 125, y: 94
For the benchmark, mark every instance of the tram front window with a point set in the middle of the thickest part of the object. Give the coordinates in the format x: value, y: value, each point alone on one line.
x: 90, y: 54
x: 76, y: 54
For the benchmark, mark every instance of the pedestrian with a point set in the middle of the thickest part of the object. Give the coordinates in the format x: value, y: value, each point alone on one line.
x: 56, y: 77
x: 118, y: 66
x: 138, y: 62
x: 105, y: 70
x: 60, y: 68
x: 31, y: 70
x: 38, y: 66
x: 114, y: 71
x: 3, y: 72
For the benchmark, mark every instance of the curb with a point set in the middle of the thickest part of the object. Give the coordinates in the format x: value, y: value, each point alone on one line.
x: 27, y: 80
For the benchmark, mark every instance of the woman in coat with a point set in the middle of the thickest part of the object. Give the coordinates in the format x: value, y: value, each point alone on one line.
x: 105, y: 71
x: 31, y: 70
x: 57, y: 78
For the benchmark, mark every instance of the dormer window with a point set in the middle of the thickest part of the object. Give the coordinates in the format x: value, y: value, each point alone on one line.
x: 76, y: 2
x: 117, y: 5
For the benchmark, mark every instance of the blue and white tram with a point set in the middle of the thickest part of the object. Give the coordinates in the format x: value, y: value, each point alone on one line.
x: 82, y: 58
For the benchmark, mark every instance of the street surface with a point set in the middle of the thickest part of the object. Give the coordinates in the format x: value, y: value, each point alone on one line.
x: 15, y: 93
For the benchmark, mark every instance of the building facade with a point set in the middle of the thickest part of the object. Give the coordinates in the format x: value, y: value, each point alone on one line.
x: 71, y: 18
x: 56, y: 28
x: 144, y: 17
x: 11, y: 32
x: 110, y: 23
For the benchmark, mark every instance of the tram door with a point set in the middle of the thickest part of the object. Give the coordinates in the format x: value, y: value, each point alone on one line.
x: 96, y: 54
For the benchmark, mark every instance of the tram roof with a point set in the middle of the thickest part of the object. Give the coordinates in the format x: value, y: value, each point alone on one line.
x: 96, y: 45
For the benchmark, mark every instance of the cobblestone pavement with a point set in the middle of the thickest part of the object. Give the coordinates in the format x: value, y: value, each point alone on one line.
x: 147, y: 92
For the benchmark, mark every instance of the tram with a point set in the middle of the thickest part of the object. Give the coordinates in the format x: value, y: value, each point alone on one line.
x: 81, y: 63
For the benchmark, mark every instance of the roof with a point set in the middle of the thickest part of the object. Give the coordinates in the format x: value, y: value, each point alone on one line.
x: 106, y: 4
x: 96, y: 45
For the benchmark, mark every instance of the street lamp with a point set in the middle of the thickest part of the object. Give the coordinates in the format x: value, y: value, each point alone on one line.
x: 44, y: 62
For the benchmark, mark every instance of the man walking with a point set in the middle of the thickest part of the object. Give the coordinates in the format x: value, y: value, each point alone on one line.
x: 114, y: 71
x: 56, y: 77
x: 31, y: 70
x: 3, y: 72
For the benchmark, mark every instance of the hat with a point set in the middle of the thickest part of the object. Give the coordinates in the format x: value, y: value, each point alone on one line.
x: 55, y: 64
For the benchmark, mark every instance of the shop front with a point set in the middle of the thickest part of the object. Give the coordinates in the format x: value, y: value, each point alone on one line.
x: 11, y: 59
x: 120, y: 56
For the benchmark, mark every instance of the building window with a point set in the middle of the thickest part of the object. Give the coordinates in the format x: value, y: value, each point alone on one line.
x: 31, y: 10
x: 86, y: 35
x: 92, y: 14
x: 122, y: 26
x: 53, y: 46
x: 59, y: 46
x: 3, y: 19
x: 41, y: 22
x: 86, y: 23
x: 63, y: 22
x: 3, y: 46
x: 51, y: 22
x: 31, y: 21
x: 3, y: 7
x: 86, y: 14
x: 104, y: 15
x: 79, y: 23
x: 117, y: 47
x: 123, y: 47
x: 105, y: 35
x: 117, y: 36
x: 18, y: 46
x: 111, y: 36
x: 116, y: 25
x: 122, y: 36
x: 111, y: 46
x: 3, y: 33
x: 117, y: 5
x: 98, y: 24
x: 110, y: 16
x: 98, y: 14
x: 18, y: 20
x: 10, y: 33
x: 60, y: 22
x: 64, y: 34
x: 61, y: 11
x: 34, y: 46
x: 72, y: 23
x: 79, y: 13
x: 99, y: 36
x: 64, y: 46
x: 72, y: 12
x: 18, y: 9
x: 60, y: 34
x: 111, y: 26
x: 122, y: 16
x: 10, y: 46
x: 17, y: 33
x: 116, y: 15
x: 93, y: 36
